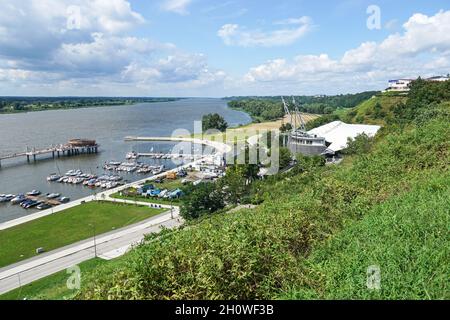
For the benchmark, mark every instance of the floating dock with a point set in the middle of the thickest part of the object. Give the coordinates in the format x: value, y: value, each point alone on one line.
x: 72, y: 148
x: 169, y: 156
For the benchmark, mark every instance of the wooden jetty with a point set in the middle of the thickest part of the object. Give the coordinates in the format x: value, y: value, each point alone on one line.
x: 72, y: 148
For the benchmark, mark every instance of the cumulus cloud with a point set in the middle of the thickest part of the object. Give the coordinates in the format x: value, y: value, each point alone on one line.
x: 71, y: 42
x: 422, y: 48
x: 293, y: 29
x: 177, y: 6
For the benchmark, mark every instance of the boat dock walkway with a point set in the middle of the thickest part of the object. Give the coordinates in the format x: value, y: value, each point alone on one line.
x: 72, y: 148
x: 169, y: 155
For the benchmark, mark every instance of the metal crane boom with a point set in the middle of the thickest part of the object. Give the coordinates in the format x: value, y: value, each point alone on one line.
x: 299, y: 115
x: 286, y: 110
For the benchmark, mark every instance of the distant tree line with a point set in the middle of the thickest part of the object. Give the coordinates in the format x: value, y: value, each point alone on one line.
x: 21, y: 104
x: 271, y: 108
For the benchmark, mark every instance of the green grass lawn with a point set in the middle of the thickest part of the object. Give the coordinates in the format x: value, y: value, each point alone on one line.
x: 67, y: 227
x: 155, y: 200
x: 168, y: 184
x: 53, y: 287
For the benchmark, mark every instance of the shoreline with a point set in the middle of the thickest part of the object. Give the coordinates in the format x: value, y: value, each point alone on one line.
x: 87, y: 106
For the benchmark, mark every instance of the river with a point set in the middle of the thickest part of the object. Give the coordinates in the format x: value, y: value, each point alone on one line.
x: 108, y: 126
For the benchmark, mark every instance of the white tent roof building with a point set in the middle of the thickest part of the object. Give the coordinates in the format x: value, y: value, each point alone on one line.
x: 337, y: 132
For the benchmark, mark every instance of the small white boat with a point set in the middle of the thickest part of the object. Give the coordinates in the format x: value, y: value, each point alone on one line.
x: 33, y: 193
x: 18, y: 199
x: 53, y: 195
x: 53, y: 177
x: 131, y: 155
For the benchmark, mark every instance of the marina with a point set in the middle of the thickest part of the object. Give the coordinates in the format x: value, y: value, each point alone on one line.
x: 108, y: 126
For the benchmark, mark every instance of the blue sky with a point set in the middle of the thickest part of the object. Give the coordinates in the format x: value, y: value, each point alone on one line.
x: 217, y: 48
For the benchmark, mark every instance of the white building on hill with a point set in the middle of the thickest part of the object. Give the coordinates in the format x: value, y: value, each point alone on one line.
x: 402, y: 85
x: 439, y: 78
x: 336, y: 134
x: 399, y: 85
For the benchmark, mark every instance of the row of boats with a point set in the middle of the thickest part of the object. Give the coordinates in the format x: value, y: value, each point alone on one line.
x: 30, y: 200
x: 160, y: 156
x: 77, y: 177
x: 130, y: 167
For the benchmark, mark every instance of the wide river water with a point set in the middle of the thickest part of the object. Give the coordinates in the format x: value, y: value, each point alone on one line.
x: 108, y: 126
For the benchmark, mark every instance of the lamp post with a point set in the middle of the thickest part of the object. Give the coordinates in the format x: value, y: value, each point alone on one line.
x: 95, y: 240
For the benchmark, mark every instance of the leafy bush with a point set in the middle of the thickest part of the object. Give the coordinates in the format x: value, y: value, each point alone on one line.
x: 361, y: 144
x: 204, y: 199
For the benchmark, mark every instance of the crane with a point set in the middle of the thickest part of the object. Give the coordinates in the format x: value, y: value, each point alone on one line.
x: 286, y: 110
x: 299, y: 115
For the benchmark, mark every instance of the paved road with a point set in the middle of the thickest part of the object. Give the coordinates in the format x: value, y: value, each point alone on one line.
x: 108, y: 246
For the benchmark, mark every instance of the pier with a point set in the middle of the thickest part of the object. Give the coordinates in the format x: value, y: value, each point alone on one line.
x: 72, y: 148
x: 170, y: 156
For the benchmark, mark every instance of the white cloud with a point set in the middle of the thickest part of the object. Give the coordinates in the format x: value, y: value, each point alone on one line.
x: 423, y: 48
x: 97, y: 54
x: 177, y: 6
x: 235, y: 35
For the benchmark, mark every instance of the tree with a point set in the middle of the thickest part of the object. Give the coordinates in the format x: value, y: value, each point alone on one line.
x: 361, y: 144
x: 306, y: 163
x: 204, y: 199
x: 214, y: 121
x: 235, y: 184
x: 285, y: 157
x: 285, y: 127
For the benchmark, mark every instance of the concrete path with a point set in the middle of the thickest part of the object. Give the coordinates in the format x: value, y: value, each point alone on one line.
x: 110, y: 245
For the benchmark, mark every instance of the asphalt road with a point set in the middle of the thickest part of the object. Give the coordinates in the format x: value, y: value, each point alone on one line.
x: 108, y: 246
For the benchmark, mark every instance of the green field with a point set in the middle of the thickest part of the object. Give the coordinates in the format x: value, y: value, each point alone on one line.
x: 168, y: 184
x: 154, y: 200
x: 67, y: 227
x: 53, y: 287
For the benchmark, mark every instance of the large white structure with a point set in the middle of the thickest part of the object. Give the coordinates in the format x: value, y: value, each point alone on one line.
x: 399, y: 85
x: 336, y: 133
x: 439, y: 78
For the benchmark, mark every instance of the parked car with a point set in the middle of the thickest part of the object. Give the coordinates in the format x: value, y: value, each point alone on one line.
x: 64, y: 199
x: 43, y: 206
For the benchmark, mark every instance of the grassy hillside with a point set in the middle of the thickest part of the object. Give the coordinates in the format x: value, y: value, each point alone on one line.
x: 318, y: 228
x: 377, y: 110
x: 403, y: 236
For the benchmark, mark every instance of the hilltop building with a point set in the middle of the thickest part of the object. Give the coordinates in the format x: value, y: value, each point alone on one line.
x: 439, y: 78
x: 399, y: 85
x: 402, y: 85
